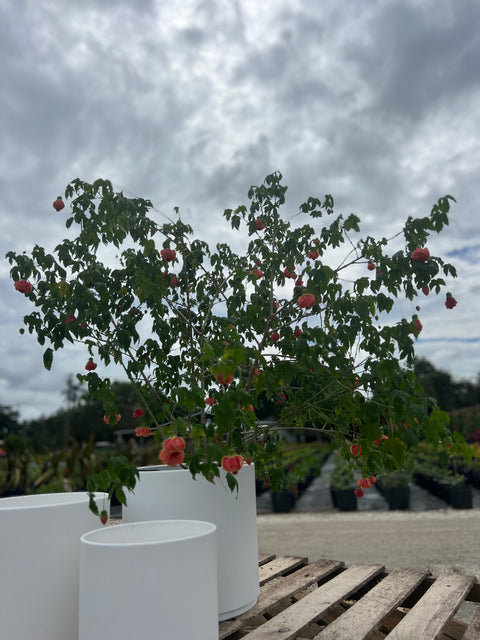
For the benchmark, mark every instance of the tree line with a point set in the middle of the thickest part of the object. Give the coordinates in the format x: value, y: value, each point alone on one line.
x: 82, y: 417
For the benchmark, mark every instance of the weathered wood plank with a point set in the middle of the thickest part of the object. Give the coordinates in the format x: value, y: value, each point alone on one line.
x: 370, y: 611
x: 282, y: 590
x: 473, y: 630
x: 265, y: 557
x: 430, y: 615
x: 278, y: 567
x: 293, y: 620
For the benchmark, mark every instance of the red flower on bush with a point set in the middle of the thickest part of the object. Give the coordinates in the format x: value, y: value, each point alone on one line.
x: 227, y: 380
x: 275, y: 336
x: 172, y: 458
x: 297, y: 332
x: 23, y: 286
x: 58, y: 204
x: 210, y: 401
x: 418, y: 324
x: 106, y: 419
x: 259, y: 224
x: 426, y: 290
x: 299, y: 282
x: 232, y: 464
x: 289, y: 274
x: 420, y: 255
x: 356, y: 450
x: 313, y: 255
x: 364, y: 483
x: 70, y: 318
x: 143, y: 432
x: 359, y: 493
x: 172, y: 444
x: 257, y: 273
x: 90, y: 366
x: 450, y: 302
x: 371, y: 266
x: 173, y: 451
x: 174, y: 281
x: 378, y: 440
x: 168, y: 255
x: 138, y: 413
x: 306, y: 301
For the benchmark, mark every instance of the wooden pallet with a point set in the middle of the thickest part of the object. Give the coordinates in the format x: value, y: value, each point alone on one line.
x: 325, y: 600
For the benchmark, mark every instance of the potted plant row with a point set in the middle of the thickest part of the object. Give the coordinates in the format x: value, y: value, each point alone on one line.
x: 395, y: 488
x: 445, y: 484
x: 301, y: 464
x: 342, y: 486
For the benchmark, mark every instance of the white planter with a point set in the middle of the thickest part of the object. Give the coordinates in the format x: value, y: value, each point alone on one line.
x: 39, y: 537
x: 149, y: 580
x: 171, y: 493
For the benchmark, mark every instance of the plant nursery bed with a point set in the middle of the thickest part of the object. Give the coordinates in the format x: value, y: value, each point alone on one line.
x: 326, y: 600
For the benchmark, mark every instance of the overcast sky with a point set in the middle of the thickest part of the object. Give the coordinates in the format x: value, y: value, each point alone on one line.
x: 189, y: 102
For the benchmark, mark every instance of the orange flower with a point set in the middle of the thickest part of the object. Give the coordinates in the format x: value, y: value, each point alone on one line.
x: 227, y: 380
x: 173, y: 451
x: 356, y: 450
x: 172, y: 444
x: 420, y: 255
x: 306, y: 301
x: 143, y: 432
x: 232, y: 464
x: 364, y: 483
x: 172, y: 457
x: 106, y: 419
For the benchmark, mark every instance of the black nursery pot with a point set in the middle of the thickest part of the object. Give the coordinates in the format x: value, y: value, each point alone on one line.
x: 282, y: 501
x: 344, y: 499
x: 398, y: 498
x: 460, y: 497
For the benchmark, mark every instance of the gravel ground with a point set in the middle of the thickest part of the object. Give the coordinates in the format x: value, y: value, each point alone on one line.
x: 442, y: 540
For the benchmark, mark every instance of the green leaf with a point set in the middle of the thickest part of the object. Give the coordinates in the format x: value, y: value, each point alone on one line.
x: 48, y: 358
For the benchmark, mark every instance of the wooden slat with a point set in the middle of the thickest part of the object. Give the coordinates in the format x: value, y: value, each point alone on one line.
x: 432, y: 612
x: 370, y: 611
x: 264, y: 558
x: 289, y: 623
x: 473, y: 629
x: 279, y: 591
x: 278, y: 567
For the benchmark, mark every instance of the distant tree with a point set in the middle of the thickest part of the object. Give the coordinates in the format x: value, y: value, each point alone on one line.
x: 449, y: 394
x: 8, y: 421
x: 82, y: 419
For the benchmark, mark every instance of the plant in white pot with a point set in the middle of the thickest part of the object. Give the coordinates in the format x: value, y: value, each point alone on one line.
x: 287, y: 313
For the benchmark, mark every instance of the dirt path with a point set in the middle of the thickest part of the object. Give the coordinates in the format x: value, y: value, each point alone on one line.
x: 438, y: 540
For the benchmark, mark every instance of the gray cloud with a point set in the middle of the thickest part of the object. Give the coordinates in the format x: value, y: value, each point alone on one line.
x: 192, y: 101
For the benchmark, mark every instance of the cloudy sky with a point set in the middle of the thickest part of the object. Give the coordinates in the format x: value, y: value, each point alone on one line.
x: 189, y: 102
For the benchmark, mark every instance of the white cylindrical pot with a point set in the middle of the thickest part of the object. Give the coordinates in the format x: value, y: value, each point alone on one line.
x: 171, y: 493
x: 149, y: 579
x: 39, y: 537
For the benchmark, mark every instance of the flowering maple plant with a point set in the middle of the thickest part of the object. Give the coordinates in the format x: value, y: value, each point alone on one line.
x: 211, y: 336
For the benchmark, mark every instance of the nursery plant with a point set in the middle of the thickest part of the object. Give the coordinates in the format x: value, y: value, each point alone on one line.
x: 292, y: 310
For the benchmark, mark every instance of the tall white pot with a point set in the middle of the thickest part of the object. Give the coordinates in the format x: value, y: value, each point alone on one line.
x: 149, y: 580
x: 39, y: 538
x: 171, y: 493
